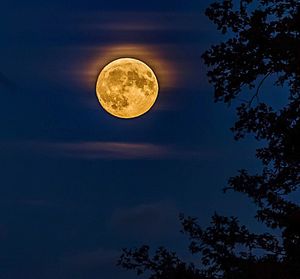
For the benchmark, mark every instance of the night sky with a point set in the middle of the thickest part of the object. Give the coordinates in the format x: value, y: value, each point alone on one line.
x: 77, y: 184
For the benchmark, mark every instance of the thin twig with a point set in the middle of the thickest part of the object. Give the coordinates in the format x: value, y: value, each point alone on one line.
x: 258, y: 89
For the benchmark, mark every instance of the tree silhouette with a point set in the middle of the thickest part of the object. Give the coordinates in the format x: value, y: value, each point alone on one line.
x: 264, y: 43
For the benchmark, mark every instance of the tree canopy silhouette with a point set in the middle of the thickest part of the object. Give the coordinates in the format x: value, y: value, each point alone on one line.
x: 263, y: 43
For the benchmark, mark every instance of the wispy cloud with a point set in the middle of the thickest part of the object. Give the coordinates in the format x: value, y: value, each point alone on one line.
x: 107, y: 150
x: 142, y: 21
x: 92, y: 150
x: 172, y: 64
x: 171, y: 43
x: 84, y: 70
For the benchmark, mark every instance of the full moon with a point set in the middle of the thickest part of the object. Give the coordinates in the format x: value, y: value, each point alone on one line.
x: 127, y: 88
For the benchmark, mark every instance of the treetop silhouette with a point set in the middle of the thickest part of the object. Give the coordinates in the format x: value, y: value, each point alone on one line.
x: 263, y: 43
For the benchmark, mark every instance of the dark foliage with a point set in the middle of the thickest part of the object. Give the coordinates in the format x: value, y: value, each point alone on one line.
x: 264, y: 43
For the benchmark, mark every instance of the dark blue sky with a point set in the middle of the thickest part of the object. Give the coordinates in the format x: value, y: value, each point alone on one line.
x: 77, y: 185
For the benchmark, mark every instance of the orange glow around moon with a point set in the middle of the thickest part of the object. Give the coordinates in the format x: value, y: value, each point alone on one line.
x: 127, y: 88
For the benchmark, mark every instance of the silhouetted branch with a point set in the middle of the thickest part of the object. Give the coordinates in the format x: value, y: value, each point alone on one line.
x: 258, y: 89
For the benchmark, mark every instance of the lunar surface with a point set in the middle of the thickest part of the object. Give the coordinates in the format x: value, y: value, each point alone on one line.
x: 127, y: 88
